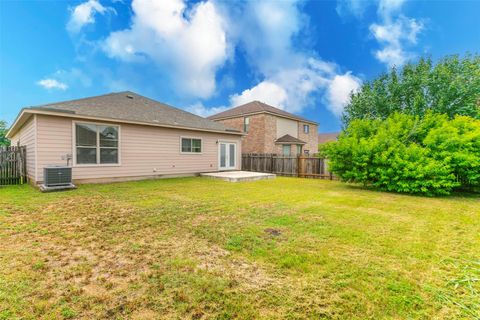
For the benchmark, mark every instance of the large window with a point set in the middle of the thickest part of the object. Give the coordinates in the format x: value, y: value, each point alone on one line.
x: 96, y: 144
x: 246, y: 124
x: 191, y: 145
x: 306, y: 128
x: 286, y: 149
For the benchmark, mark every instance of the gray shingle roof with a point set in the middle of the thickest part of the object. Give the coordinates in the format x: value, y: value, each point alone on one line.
x: 255, y: 107
x: 289, y: 139
x: 133, y: 107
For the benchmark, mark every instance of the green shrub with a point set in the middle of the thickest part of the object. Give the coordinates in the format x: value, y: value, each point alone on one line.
x: 432, y: 155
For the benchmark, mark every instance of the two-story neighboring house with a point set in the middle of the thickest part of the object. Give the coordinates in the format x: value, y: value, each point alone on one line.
x: 271, y: 130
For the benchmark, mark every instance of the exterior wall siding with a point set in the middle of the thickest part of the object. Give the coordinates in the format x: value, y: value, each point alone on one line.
x: 287, y: 126
x: 26, y: 137
x: 145, y: 151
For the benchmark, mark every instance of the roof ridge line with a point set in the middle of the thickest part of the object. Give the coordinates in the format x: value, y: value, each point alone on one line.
x: 79, y: 99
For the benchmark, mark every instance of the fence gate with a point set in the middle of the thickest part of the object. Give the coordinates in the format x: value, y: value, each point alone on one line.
x: 13, y: 165
x: 296, y: 166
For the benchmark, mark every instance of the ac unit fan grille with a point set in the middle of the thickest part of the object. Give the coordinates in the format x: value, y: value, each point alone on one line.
x: 57, y: 176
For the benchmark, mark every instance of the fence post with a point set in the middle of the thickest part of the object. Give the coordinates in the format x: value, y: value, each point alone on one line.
x: 299, y: 166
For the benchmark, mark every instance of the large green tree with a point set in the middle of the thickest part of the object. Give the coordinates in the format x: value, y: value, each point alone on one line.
x: 451, y: 86
x: 3, y: 132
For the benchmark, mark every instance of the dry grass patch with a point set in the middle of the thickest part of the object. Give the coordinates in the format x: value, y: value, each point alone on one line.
x: 197, y: 248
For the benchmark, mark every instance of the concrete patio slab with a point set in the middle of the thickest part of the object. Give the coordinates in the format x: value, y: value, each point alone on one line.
x: 238, y: 176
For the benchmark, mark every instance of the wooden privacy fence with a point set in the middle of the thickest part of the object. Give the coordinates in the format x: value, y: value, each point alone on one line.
x: 13, y: 165
x: 296, y: 166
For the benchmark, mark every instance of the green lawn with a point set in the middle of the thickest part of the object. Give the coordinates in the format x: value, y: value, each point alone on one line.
x: 197, y: 248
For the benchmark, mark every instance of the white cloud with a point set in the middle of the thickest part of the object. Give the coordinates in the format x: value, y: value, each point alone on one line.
x: 63, y: 79
x: 200, y: 110
x: 290, y: 78
x: 393, y: 31
x: 292, y: 89
x: 266, y: 91
x: 73, y: 76
x: 266, y: 33
x: 339, y: 90
x: 190, y: 45
x: 394, y: 35
x: 388, y: 7
x: 52, y: 84
x: 84, y: 14
x: 355, y: 7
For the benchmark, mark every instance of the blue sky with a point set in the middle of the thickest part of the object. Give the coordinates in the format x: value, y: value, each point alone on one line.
x: 206, y: 56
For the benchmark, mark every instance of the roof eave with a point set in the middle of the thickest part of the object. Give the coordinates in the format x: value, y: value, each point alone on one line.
x: 276, y: 142
x: 16, y: 123
x: 260, y: 112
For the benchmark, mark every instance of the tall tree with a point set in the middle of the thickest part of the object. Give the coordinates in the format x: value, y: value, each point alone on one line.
x: 3, y: 132
x: 451, y: 86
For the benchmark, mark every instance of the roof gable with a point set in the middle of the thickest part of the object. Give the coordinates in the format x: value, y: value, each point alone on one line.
x: 256, y: 107
x: 289, y: 139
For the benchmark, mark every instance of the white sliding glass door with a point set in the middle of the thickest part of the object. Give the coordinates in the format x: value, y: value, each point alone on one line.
x: 227, y: 155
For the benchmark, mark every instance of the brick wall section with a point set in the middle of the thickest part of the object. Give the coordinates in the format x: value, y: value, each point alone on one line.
x: 311, y: 138
x: 260, y: 130
x: 262, y: 134
x: 270, y: 134
x: 234, y: 123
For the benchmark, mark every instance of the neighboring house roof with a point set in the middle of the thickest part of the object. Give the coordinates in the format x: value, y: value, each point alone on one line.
x: 327, y: 137
x: 128, y: 107
x: 289, y: 139
x: 253, y: 108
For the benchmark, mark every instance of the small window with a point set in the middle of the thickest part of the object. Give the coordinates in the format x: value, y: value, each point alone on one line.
x: 286, y: 149
x: 299, y: 149
x: 246, y: 124
x: 306, y: 128
x: 191, y: 145
x: 96, y: 144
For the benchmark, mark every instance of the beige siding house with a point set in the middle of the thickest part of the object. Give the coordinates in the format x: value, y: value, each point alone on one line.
x: 123, y: 136
x: 271, y: 130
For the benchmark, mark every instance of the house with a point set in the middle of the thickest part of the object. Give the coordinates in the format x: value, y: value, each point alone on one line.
x: 122, y: 136
x: 271, y: 130
x: 327, y: 137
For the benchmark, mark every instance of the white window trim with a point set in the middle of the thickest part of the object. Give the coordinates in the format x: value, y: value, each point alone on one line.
x: 236, y: 154
x: 74, y: 146
x: 308, y: 129
x: 187, y: 137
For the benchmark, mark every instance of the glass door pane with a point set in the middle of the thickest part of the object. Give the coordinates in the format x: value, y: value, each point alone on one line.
x: 223, y: 155
x: 232, y: 155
